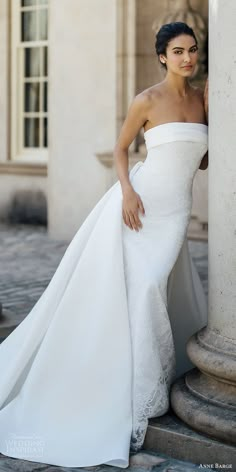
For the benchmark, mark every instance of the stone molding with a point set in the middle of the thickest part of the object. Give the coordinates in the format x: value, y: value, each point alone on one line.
x: 213, y: 354
x: 22, y: 168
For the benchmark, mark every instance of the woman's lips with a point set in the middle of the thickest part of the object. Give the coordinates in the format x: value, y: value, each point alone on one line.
x: 187, y: 67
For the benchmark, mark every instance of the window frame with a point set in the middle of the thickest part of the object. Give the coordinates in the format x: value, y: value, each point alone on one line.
x: 19, y: 153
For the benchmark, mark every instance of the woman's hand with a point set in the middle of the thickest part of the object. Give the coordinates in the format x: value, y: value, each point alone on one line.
x: 206, y: 98
x: 132, y: 203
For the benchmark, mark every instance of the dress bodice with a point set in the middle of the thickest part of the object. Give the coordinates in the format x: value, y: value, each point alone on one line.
x: 174, y: 154
x: 176, y: 131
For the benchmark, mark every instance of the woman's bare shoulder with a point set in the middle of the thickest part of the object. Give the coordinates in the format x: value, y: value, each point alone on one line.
x: 142, y: 105
x: 150, y: 94
x: 148, y: 97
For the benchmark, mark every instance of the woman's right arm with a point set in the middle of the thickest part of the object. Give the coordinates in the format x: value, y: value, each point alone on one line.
x: 136, y: 117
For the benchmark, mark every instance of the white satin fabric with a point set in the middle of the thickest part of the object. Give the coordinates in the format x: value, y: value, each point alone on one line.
x: 95, y: 357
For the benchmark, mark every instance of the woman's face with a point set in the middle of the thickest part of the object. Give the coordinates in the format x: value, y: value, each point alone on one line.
x: 181, y: 51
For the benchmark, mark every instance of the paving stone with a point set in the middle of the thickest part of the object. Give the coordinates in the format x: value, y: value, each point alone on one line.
x: 148, y: 461
x: 28, y: 260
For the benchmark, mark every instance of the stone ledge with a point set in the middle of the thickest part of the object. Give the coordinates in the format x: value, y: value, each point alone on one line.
x: 23, y: 168
x: 169, y: 435
x: 106, y: 158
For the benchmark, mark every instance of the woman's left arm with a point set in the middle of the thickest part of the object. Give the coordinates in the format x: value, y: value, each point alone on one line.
x: 205, y: 97
x: 204, y: 161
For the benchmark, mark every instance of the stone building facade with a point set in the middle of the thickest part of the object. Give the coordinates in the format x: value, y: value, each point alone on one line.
x: 70, y: 69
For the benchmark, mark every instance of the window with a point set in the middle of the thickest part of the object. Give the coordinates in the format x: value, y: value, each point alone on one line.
x: 29, y: 80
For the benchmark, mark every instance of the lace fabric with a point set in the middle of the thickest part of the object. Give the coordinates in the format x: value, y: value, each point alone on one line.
x: 153, y: 359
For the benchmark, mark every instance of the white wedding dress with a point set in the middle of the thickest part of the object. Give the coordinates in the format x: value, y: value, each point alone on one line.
x: 96, y: 356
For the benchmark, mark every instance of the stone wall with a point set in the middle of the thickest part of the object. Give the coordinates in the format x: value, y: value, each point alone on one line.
x: 82, y: 106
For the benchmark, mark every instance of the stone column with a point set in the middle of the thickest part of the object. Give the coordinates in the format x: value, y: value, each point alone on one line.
x: 82, y: 103
x: 206, y: 397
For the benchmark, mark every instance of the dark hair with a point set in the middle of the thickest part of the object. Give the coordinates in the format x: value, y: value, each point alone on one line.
x: 168, y: 32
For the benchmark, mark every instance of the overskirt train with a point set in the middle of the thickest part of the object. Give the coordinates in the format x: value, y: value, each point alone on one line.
x: 66, y: 370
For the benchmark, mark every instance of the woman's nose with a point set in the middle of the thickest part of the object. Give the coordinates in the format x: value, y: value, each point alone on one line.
x: 187, y: 57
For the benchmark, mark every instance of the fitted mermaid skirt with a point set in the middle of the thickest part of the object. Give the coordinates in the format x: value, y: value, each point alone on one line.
x: 96, y: 356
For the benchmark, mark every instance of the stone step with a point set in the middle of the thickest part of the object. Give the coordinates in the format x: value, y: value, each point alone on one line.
x: 167, y: 434
x: 8, y: 322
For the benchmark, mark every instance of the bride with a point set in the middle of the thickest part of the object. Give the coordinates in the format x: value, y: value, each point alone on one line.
x: 96, y: 356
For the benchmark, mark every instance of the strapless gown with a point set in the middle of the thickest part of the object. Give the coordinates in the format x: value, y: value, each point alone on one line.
x: 96, y: 356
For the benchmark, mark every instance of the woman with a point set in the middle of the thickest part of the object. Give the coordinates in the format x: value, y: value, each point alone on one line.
x: 96, y: 356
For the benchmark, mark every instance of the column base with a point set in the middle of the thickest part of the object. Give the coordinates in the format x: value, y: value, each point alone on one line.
x: 200, y: 402
x: 205, y: 399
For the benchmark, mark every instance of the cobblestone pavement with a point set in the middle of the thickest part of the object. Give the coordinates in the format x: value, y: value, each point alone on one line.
x: 139, y: 462
x: 28, y: 259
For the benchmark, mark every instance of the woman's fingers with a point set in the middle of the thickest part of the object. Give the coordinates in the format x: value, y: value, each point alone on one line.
x: 131, y: 217
x: 140, y: 204
x: 133, y: 221
x: 127, y: 219
x: 137, y: 220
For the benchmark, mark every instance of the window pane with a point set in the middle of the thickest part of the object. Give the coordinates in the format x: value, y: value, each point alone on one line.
x: 31, y: 132
x: 45, y: 96
x: 45, y: 61
x: 45, y: 132
x: 43, y: 24
x: 32, y: 62
x: 32, y: 97
x: 28, y: 26
x: 42, y: 2
x: 27, y: 3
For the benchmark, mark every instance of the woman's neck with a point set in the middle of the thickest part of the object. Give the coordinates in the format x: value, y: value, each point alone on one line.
x: 176, y: 85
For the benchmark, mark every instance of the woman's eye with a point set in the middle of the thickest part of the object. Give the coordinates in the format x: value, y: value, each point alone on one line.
x: 191, y: 50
